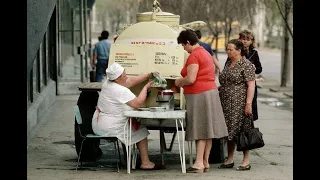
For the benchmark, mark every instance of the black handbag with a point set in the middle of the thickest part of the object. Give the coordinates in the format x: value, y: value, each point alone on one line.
x: 251, y: 139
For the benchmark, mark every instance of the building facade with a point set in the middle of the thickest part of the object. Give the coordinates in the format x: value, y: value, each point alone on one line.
x: 58, y: 46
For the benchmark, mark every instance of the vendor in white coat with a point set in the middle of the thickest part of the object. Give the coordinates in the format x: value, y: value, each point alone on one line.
x: 116, y: 97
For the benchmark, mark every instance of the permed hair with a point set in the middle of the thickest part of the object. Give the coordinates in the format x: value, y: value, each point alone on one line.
x: 238, y: 45
x: 248, y: 34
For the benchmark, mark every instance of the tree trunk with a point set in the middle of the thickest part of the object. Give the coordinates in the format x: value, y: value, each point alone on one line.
x: 285, y: 71
x: 118, y: 21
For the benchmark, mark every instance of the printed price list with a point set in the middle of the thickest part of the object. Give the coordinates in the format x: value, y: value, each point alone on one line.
x: 126, y: 59
x: 165, y: 59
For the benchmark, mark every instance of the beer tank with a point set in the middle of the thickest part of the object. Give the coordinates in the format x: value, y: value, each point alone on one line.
x: 150, y: 45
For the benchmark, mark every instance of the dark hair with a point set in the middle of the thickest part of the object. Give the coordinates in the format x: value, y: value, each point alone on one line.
x: 104, y: 35
x: 238, y: 45
x: 248, y: 34
x: 198, y: 32
x: 186, y: 36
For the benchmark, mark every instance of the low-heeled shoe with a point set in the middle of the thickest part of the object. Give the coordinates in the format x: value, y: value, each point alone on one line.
x: 244, y: 168
x: 194, y: 170
x: 224, y: 166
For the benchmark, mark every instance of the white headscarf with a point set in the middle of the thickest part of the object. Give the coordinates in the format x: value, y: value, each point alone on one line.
x: 114, y: 71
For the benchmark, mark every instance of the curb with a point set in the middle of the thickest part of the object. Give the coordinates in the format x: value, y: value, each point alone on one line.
x: 288, y: 94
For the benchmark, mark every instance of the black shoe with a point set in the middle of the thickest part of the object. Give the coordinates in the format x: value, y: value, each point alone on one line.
x: 244, y: 168
x: 224, y: 166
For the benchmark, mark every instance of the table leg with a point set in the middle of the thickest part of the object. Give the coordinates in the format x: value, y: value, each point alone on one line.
x: 128, y: 147
x: 172, y: 141
x: 182, y: 156
x: 162, y: 144
x: 183, y: 148
x: 126, y: 139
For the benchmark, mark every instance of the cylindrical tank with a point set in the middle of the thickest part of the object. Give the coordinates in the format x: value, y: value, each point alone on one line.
x: 151, y: 45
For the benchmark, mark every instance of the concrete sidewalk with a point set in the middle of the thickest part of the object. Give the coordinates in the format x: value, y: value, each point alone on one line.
x: 51, y: 152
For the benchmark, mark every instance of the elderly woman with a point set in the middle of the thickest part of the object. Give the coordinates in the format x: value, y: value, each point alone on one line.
x: 236, y: 92
x: 116, y: 97
x: 205, y: 119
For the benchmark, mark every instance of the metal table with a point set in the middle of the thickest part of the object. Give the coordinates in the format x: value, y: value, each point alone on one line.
x: 177, y: 116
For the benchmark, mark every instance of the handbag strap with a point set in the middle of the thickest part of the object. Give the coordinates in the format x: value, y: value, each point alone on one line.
x: 251, y: 119
x: 247, y: 118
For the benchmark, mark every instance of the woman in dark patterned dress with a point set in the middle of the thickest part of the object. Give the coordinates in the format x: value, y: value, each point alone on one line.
x: 248, y: 40
x: 236, y: 93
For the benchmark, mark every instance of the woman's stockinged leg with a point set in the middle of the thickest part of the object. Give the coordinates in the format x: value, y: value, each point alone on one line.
x: 200, y: 148
x: 245, y: 160
x: 231, y: 148
x: 143, y: 149
x: 207, y: 153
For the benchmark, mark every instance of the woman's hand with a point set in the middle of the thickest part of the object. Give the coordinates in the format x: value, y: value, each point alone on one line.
x: 93, y: 66
x: 248, y: 109
x: 177, y: 83
x: 155, y: 72
x: 149, y: 84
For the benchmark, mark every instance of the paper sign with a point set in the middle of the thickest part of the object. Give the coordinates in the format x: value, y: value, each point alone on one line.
x: 144, y: 58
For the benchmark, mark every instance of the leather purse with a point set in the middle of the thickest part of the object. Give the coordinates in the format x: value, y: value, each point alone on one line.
x: 251, y: 139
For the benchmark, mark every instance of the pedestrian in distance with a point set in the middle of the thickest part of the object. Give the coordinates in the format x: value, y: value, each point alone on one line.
x: 100, y: 56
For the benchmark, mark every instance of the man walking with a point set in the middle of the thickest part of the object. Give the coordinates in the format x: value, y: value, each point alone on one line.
x: 101, y: 54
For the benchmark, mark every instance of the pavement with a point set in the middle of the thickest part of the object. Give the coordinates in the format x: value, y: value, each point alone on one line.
x: 51, y: 152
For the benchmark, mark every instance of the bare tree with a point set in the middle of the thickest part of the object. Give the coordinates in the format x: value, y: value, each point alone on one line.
x: 273, y: 20
x: 285, y: 9
x: 241, y: 11
x: 221, y: 15
x: 117, y: 13
x: 145, y: 6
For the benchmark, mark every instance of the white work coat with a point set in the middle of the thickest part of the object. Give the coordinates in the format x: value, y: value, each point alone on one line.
x: 110, y: 120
